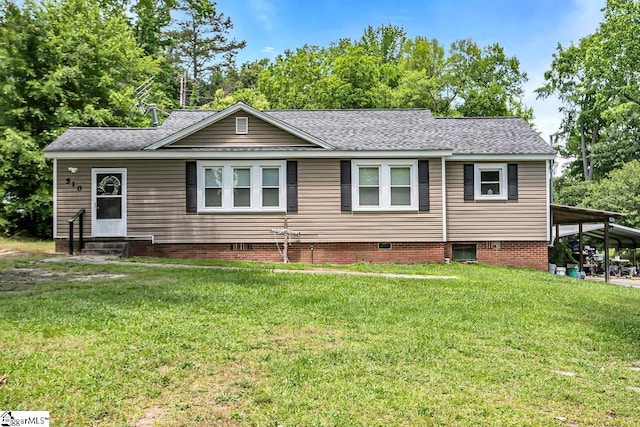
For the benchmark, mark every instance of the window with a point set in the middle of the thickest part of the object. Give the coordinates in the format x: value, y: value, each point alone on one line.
x: 241, y: 186
x: 385, y: 185
x: 464, y: 252
x: 490, y: 181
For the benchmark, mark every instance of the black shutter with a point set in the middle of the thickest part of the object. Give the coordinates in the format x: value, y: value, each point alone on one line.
x: 512, y: 181
x: 423, y: 185
x: 468, y: 182
x: 192, y: 187
x: 292, y: 186
x: 345, y: 185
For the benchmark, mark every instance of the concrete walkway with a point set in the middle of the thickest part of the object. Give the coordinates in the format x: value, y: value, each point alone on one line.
x: 83, y: 259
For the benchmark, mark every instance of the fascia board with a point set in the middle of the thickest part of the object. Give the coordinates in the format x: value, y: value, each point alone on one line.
x: 257, y: 155
x: 494, y: 157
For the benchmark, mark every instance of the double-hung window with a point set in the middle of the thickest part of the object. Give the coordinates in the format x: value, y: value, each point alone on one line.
x: 385, y: 185
x: 241, y: 186
x: 490, y: 181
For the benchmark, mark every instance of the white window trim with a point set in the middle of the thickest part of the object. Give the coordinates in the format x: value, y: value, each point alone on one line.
x: 384, y: 185
x: 480, y: 167
x: 256, y: 186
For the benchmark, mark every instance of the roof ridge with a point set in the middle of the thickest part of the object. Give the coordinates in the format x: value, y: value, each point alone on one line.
x: 344, y: 109
x: 478, y: 117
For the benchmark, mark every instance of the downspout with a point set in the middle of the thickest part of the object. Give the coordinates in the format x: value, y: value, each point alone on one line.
x: 55, y: 198
x: 444, y: 200
x: 550, y: 165
x: 549, y: 177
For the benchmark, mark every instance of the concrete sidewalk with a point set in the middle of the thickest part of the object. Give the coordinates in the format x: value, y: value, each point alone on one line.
x: 84, y: 259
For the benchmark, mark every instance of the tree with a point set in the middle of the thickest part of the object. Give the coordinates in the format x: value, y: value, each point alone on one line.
x: 597, y: 80
x: 201, y: 43
x: 248, y: 96
x: 62, y: 63
x: 619, y: 191
x: 385, y: 69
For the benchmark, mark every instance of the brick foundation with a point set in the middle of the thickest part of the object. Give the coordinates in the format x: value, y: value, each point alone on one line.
x: 517, y: 254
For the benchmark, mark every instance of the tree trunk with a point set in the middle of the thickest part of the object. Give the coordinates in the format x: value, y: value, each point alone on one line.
x: 587, y: 169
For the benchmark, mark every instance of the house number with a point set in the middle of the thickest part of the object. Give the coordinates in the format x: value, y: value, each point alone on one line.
x: 73, y: 184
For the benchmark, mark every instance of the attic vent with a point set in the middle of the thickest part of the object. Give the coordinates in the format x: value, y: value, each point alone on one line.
x: 242, y: 125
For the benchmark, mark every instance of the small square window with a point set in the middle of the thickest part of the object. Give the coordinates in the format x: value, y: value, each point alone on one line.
x: 491, y: 181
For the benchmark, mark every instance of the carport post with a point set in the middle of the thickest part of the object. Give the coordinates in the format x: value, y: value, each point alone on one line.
x: 606, y: 250
x: 581, y: 246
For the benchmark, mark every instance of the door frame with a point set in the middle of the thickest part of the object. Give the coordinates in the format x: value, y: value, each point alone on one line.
x: 94, y: 203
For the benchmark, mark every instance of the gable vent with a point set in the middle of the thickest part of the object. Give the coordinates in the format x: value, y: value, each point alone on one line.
x: 242, y: 125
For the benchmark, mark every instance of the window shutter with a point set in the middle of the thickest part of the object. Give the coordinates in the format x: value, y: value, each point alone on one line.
x: 468, y: 182
x: 512, y: 181
x: 192, y: 187
x: 423, y: 185
x: 345, y: 185
x: 292, y: 186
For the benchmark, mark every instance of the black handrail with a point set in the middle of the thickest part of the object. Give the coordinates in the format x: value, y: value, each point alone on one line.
x: 78, y: 215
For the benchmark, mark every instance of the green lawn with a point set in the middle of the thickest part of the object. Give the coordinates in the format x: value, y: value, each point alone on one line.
x: 147, y: 346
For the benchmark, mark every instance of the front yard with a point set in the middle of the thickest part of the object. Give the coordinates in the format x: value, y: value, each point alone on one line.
x: 142, y: 346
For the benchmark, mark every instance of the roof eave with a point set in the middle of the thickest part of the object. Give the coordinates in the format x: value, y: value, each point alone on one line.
x: 231, y: 154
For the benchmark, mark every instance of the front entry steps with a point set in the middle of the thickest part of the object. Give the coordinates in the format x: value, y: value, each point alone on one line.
x: 119, y: 249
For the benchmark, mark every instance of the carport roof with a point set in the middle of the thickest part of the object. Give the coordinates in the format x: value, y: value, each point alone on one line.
x: 623, y: 237
x: 574, y: 215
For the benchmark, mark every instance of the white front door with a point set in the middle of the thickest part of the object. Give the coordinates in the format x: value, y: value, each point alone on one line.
x: 109, y: 213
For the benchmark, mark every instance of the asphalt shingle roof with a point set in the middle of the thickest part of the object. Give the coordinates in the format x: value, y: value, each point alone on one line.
x: 357, y: 130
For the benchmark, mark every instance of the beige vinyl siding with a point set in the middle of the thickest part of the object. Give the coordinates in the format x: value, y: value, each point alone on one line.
x: 223, y: 134
x: 156, y: 206
x: 524, y: 219
x: 73, y: 196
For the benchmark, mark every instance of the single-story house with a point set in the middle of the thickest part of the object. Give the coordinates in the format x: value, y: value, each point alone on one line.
x: 378, y: 185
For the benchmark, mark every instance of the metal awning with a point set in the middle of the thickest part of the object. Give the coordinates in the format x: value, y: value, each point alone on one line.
x: 620, y: 236
x: 574, y: 215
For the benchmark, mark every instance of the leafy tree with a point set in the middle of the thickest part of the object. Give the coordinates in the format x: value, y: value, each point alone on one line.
x: 248, y: 96
x: 385, y: 69
x: 619, y: 191
x: 62, y: 63
x: 597, y: 80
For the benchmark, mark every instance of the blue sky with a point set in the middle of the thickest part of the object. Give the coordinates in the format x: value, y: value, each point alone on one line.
x: 527, y: 29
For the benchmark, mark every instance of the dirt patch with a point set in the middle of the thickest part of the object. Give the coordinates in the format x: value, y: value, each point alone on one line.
x: 9, y: 253
x: 17, y: 279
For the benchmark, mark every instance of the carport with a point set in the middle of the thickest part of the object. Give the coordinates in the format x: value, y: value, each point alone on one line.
x: 562, y: 215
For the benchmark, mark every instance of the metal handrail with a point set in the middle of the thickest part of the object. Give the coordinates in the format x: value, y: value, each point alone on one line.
x: 79, y: 215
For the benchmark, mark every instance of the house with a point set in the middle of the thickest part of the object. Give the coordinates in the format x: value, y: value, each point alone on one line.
x: 392, y: 185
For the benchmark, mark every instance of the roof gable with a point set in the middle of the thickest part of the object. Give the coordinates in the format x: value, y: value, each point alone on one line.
x: 199, y: 134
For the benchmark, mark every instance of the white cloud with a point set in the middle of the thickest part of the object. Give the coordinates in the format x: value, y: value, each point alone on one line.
x: 265, y: 13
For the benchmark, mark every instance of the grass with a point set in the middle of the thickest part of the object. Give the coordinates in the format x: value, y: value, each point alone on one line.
x: 25, y: 245
x: 173, y: 346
